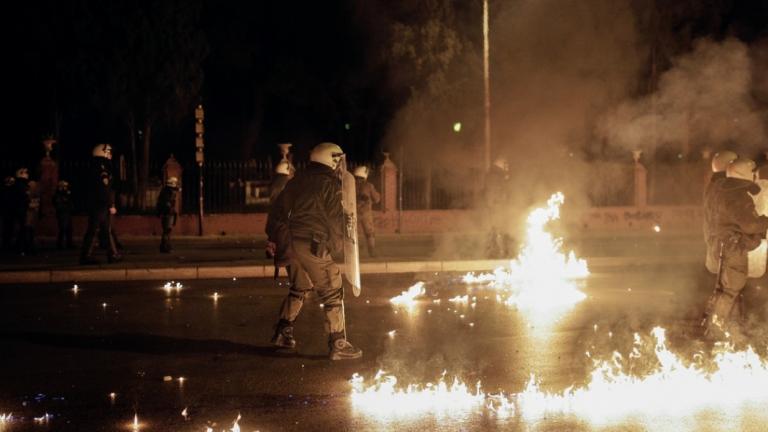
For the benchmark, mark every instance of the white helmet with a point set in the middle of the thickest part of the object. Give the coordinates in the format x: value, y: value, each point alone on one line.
x: 172, y: 182
x: 362, y: 172
x: 103, y: 150
x: 327, y: 153
x: 741, y: 168
x: 721, y: 160
x: 63, y: 185
x: 283, y: 167
x: 9, y: 181
x: 22, y: 172
x: 501, y: 163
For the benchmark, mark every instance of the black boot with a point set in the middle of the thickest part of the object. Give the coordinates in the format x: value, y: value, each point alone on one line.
x: 341, y: 349
x: 283, y: 337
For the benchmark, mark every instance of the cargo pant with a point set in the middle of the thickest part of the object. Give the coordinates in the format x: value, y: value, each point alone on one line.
x: 732, y: 281
x: 308, y: 271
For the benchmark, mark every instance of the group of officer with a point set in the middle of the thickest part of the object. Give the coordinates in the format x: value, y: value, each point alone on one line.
x: 21, y: 208
x: 732, y: 228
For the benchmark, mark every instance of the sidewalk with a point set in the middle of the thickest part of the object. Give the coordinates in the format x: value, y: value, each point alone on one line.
x: 227, y: 257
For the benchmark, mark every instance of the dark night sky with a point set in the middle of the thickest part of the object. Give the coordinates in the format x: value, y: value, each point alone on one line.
x: 276, y: 71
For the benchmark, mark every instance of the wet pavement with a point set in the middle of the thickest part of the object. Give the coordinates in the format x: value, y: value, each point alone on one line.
x: 159, y: 352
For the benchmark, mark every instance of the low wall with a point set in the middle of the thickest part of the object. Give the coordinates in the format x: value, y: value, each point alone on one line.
x: 668, y: 218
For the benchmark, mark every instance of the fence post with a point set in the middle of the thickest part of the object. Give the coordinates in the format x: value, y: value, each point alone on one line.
x: 388, y: 184
x: 641, y: 183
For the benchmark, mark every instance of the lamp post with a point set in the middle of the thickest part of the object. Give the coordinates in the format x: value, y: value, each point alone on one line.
x: 487, y: 91
x: 199, y: 158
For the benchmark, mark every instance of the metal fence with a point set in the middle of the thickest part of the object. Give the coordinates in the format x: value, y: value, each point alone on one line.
x: 242, y: 186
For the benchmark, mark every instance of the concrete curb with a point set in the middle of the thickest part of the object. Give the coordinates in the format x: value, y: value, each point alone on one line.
x: 260, y: 271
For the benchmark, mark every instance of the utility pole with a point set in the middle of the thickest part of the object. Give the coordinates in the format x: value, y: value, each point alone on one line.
x: 487, y: 88
x: 199, y: 158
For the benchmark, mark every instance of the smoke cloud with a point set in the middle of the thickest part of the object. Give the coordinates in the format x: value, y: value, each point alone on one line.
x: 703, y: 102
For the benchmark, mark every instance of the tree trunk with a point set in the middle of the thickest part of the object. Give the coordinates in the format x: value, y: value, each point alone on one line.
x: 134, y: 161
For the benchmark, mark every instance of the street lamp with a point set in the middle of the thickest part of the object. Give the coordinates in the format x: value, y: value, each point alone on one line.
x: 199, y: 158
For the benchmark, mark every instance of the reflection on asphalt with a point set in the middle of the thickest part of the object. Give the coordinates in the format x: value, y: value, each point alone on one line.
x: 94, y: 367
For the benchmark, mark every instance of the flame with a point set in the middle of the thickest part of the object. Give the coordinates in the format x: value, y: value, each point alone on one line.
x: 675, y: 390
x: 383, y: 398
x: 235, y: 426
x: 541, y: 277
x: 407, y: 299
x: 6, y: 418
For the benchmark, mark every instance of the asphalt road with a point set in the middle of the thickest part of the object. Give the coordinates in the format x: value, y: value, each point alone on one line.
x: 64, y: 353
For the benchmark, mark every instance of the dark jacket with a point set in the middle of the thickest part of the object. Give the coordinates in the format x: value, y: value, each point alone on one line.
x: 309, y: 207
x: 731, y: 217
x: 62, y: 202
x: 20, y: 199
x: 367, y: 195
x: 99, y: 189
x: 166, y: 201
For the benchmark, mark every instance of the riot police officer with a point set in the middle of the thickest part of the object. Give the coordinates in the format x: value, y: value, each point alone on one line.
x: 166, y: 209
x: 62, y: 202
x: 100, y: 205
x: 307, y: 224
x: 367, y: 196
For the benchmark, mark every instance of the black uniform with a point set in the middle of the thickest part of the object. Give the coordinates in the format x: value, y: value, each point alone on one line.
x: 733, y: 225
x: 99, y: 199
x: 166, y: 209
x: 62, y: 202
x: 7, y: 211
x: 367, y: 196
x: 20, y: 200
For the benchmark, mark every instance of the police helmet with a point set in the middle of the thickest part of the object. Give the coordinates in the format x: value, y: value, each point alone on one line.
x: 328, y: 154
x: 362, y: 172
x: 741, y: 168
x: 103, y: 150
x: 283, y: 167
x: 721, y: 160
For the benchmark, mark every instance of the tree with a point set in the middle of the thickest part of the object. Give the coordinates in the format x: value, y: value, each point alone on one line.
x: 142, y: 62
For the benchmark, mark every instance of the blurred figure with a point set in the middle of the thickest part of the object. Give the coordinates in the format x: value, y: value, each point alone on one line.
x: 720, y: 162
x: 62, y: 203
x: 100, y: 205
x: 283, y: 173
x: 166, y: 209
x: 367, y: 196
x: 31, y: 217
x: 307, y: 224
x: 20, y: 202
x: 497, y: 195
x: 735, y: 229
x: 7, y: 211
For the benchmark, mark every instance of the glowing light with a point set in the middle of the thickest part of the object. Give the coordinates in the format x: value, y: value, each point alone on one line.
x: 6, y: 418
x: 657, y: 228
x: 541, y: 276
x: 112, y: 397
x: 184, y: 414
x: 236, y: 426
x: 383, y: 398
x: 392, y: 333
x: 460, y: 299
x: 407, y: 299
x: 181, y: 380
x: 171, y: 286
x: 457, y: 127
x: 42, y: 419
x: 104, y: 305
x: 75, y: 289
x: 215, y: 297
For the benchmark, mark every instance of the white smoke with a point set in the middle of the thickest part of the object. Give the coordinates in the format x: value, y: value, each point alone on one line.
x: 703, y: 102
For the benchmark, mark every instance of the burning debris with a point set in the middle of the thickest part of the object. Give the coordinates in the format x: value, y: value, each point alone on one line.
x: 542, y: 275
x: 674, y: 389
